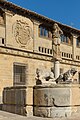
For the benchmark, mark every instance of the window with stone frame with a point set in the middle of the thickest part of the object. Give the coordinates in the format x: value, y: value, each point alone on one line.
x: 2, y: 41
x: 45, y: 32
x: 79, y: 77
x: 19, y: 74
x: 66, y: 39
x: 78, y: 42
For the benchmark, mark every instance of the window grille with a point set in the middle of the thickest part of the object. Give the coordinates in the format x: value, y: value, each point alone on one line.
x: 19, y: 74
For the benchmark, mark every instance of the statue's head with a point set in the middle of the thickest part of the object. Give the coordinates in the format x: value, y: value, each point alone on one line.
x: 55, y: 26
x: 73, y: 70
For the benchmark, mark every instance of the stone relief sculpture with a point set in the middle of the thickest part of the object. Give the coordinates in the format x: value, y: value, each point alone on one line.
x: 56, y: 41
x: 66, y: 77
x: 22, y: 32
x: 44, y: 76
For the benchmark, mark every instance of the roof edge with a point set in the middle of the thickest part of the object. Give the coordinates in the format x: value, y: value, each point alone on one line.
x: 5, y: 2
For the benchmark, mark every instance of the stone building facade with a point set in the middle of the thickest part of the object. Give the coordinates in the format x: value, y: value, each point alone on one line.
x: 26, y: 44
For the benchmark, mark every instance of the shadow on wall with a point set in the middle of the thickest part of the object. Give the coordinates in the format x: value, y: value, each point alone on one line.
x: 1, y: 106
x: 14, y: 100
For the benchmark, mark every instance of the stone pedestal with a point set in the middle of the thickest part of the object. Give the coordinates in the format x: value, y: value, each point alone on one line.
x: 56, y: 100
x: 56, y: 69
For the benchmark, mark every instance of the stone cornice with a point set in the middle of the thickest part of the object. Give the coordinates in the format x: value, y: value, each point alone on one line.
x: 33, y: 55
x: 70, y: 62
x: 23, y: 53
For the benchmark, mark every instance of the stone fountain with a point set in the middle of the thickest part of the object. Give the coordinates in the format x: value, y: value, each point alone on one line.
x: 55, y: 95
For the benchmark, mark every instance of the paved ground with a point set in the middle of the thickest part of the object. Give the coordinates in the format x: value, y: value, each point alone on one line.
x: 10, y: 116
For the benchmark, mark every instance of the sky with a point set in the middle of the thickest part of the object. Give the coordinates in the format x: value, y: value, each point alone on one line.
x: 63, y: 11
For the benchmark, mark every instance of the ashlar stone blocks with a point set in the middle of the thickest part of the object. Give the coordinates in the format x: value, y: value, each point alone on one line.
x: 60, y: 100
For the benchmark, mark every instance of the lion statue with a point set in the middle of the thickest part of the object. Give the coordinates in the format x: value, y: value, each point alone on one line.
x: 67, y: 76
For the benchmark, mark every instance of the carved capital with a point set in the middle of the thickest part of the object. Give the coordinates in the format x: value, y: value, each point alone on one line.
x: 36, y: 23
x: 8, y: 13
x: 74, y: 35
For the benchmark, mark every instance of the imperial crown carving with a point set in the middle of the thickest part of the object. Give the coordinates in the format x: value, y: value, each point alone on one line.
x: 22, y: 32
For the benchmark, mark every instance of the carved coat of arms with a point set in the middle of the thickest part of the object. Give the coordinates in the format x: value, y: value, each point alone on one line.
x: 22, y: 32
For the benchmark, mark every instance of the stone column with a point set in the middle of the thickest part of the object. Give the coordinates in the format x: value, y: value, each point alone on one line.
x: 56, y: 69
x: 8, y: 28
x: 74, y: 46
x: 35, y: 36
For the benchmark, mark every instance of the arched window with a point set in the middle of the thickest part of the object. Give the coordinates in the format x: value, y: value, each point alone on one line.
x: 45, y: 32
x: 78, y: 42
x: 66, y: 39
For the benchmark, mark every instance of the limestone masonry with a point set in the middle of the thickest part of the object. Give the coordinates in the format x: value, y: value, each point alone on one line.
x: 26, y: 40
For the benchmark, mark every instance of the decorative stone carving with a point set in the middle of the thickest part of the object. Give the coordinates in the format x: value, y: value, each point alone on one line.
x: 56, y: 41
x: 67, y: 77
x: 44, y: 76
x: 22, y: 32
